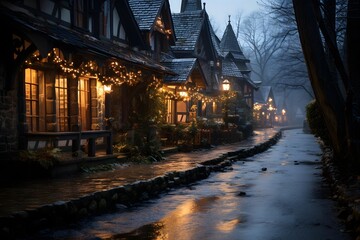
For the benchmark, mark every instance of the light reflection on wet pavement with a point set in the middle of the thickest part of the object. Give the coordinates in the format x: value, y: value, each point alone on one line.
x: 32, y: 194
x: 287, y: 201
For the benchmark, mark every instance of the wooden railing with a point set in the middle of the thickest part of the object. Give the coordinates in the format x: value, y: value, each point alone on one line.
x: 76, y: 138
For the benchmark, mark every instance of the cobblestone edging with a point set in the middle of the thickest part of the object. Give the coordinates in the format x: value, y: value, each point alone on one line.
x: 61, y: 212
x: 346, y: 196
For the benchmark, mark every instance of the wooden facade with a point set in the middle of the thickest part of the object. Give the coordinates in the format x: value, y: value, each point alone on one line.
x: 57, y: 58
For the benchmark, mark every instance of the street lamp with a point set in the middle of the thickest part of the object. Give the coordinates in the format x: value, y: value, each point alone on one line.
x: 226, y: 89
x: 226, y: 85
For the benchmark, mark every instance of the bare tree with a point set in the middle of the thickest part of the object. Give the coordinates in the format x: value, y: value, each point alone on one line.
x: 340, y: 109
x: 238, y: 18
x: 291, y: 59
x: 263, y: 46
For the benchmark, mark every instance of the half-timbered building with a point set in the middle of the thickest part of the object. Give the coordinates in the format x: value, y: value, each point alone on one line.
x: 58, y: 60
x: 265, y: 107
x: 195, y: 38
x: 160, y: 34
x: 235, y: 68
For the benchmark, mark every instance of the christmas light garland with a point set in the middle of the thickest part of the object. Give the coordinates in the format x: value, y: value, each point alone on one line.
x: 118, y: 74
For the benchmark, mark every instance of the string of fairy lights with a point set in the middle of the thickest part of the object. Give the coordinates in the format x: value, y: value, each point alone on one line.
x: 115, y: 73
x: 112, y: 73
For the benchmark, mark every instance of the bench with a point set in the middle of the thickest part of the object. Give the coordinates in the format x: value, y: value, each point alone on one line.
x: 76, y: 138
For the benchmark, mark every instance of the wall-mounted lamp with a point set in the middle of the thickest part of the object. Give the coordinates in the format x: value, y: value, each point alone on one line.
x: 107, y: 88
x: 183, y: 94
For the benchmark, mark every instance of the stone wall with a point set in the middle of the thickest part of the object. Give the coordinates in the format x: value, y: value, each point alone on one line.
x: 59, y: 213
x: 8, y: 121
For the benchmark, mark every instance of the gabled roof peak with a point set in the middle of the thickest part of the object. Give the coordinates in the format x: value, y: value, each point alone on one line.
x: 229, y: 41
x: 191, y: 5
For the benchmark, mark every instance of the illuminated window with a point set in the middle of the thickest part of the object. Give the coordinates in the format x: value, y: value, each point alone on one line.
x: 61, y: 103
x: 34, y: 100
x: 84, y: 103
x: 182, y: 111
x: 170, y: 111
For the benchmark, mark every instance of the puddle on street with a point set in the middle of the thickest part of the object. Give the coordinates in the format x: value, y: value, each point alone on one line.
x: 163, y: 228
x: 179, y: 214
x: 147, y: 232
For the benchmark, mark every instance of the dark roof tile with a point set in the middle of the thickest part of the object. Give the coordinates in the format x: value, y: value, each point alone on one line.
x: 187, y: 28
x: 229, y: 69
x: 80, y: 41
x: 182, y: 67
x: 229, y: 44
x: 145, y: 12
x: 190, y: 5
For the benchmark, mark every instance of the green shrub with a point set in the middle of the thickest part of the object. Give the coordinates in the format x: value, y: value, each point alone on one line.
x: 44, y: 157
x: 317, y: 122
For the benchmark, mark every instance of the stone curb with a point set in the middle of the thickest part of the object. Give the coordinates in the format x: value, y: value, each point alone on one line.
x: 64, y: 212
x: 348, y: 206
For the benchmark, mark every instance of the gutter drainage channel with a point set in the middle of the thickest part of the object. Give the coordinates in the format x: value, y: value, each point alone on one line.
x: 64, y: 212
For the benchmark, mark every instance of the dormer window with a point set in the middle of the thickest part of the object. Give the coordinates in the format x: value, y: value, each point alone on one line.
x: 105, y: 16
x: 118, y: 28
x: 79, y: 13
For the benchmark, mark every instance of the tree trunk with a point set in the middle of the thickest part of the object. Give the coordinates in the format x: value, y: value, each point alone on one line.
x: 353, y: 53
x: 323, y: 82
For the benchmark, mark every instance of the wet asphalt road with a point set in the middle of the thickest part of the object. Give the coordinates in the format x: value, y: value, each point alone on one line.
x: 278, y: 195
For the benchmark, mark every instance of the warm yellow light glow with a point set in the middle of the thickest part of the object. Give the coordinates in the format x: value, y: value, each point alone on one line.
x: 228, y: 226
x: 183, y: 94
x: 257, y: 106
x: 107, y: 88
x: 226, y: 85
x: 270, y: 99
x: 283, y: 112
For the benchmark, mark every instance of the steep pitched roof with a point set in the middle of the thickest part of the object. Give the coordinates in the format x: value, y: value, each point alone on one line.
x: 129, y: 22
x: 145, y: 12
x: 188, y: 26
x: 238, y: 56
x: 54, y: 35
x: 229, y: 69
x: 229, y: 41
x: 229, y: 44
x: 183, y: 67
x: 190, y: 5
x: 262, y: 94
x: 251, y: 82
